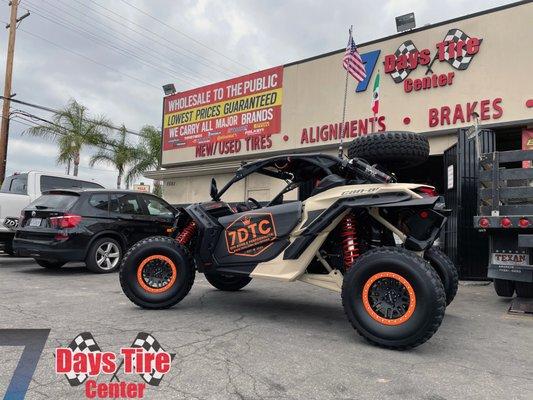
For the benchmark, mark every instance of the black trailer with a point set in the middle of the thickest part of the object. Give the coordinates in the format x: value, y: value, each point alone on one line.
x: 505, y: 213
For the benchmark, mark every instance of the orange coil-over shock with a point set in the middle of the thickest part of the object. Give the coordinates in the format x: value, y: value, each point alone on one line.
x: 350, y: 244
x: 187, y: 233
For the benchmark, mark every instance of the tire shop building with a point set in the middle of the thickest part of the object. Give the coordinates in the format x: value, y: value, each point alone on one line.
x: 432, y: 80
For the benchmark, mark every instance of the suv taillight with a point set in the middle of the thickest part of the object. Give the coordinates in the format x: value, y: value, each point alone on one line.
x: 426, y: 191
x: 65, y: 221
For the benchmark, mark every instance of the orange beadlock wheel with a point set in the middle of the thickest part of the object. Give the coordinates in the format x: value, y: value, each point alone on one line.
x: 389, y: 298
x: 156, y: 274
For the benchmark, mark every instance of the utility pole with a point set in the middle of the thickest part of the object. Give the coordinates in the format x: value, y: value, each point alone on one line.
x: 4, y: 127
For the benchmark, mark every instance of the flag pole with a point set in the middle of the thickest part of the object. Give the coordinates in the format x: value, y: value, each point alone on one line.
x: 374, y: 121
x: 341, y: 152
x: 375, y: 101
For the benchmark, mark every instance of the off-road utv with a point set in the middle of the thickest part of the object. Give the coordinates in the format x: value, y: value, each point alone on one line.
x: 343, y: 238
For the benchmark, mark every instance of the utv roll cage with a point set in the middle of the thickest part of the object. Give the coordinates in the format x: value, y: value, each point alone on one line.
x: 293, y: 167
x: 299, y: 168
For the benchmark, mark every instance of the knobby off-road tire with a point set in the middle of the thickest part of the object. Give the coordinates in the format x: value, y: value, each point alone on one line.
x: 227, y: 283
x: 49, y: 264
x: 157, y: 273
x: 524, y: 289
x: 504, y: 287
x: 393, y: 150
x: 446, y: 269
x: 423, y: 298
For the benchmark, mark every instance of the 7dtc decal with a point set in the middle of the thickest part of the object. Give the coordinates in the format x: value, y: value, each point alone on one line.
x: 250, y: 234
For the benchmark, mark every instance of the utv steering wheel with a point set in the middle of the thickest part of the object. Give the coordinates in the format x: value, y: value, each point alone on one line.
x: 253, y: 203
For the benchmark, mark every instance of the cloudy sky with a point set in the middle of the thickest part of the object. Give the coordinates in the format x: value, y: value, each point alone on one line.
x: 113, y: 56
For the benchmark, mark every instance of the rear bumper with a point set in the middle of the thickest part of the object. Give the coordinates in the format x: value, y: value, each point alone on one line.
x: 523, y: 273
x: 511, y: 241
x: 55, y: 250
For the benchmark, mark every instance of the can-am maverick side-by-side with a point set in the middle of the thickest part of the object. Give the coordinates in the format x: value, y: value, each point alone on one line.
x: 344, y: 237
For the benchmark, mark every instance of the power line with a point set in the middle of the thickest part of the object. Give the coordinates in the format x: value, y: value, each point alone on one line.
x: 17, y: 119
x: 36, y: 117
x: 184, y: 34
x: 87, y: 58
x: 20, y: 122
x: 56, y: 111
x: 118, y: 49
x: 207, y: 62
x: 143, y: 45
x: 135, y: 47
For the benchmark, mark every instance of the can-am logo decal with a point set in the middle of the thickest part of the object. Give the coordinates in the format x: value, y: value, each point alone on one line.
x: 82, y: 361
x: 359, y: 191
x: 457, y: 49
x: 250, y: 234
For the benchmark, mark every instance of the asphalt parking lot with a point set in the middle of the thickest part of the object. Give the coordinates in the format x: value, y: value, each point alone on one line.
x: 268, y: 341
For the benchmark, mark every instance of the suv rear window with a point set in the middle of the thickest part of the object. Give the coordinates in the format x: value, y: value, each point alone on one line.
x: 17, y: 184
x: 54, y: 202
x: 55, y: 182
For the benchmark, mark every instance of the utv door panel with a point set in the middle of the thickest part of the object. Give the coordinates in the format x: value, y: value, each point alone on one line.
x: 286, y: 216
x: 257, y: 235
x: 265, y: 252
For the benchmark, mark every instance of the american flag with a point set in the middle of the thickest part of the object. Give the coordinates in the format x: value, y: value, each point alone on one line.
x: 352, y: 61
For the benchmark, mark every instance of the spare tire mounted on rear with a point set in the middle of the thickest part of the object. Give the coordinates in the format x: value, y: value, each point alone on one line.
x: 392, y: 150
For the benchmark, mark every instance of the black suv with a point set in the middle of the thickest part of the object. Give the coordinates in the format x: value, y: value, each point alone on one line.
x: 95, y: 226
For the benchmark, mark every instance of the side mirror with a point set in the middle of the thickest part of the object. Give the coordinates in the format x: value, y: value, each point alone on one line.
x: 214, y: 190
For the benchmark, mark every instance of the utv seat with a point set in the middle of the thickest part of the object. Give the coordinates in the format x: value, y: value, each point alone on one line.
x: 327, y: 183
x: 241, y: 207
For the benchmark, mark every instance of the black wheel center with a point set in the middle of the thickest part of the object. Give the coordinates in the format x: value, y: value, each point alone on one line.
x: 157, y: 273
x: 389, y: 298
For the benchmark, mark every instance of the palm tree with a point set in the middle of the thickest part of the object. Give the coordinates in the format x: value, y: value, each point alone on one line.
x: 71, y: 129
x: 119, y: 154
x: 147, y: 155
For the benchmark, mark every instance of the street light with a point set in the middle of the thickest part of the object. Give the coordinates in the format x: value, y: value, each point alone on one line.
x: 169, y: 88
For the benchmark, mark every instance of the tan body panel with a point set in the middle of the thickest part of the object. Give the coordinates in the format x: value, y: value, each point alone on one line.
x: 290, y: 270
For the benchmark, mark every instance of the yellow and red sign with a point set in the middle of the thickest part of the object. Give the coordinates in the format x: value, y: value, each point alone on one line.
x: 229, y: 111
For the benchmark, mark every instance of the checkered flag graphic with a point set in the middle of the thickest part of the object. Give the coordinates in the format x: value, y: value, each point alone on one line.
x: 150, y: 345
x: 455, y: 35
x: 404, y: 49
x: 83, y: 343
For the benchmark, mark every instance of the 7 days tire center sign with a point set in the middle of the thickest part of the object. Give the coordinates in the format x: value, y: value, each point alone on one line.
x: 225, y: 118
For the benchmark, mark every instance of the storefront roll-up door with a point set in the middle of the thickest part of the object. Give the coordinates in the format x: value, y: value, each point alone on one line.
x: 464, y: 244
